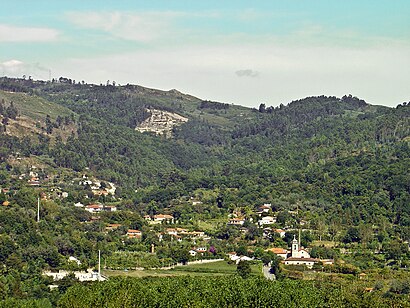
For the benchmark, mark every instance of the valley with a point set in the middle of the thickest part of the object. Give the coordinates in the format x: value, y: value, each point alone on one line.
x: 317, y: 190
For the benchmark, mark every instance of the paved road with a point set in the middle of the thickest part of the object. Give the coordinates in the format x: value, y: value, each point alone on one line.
x: 266, y: 273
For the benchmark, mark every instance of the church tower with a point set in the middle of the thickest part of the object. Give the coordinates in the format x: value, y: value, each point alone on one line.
x: 295, y: 246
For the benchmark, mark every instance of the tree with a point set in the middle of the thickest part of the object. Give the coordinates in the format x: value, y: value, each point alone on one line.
x: 262, y: 108
x: 11, y: 111
x: 243, y: 269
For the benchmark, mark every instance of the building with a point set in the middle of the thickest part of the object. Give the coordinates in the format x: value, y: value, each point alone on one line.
x: 280, y: 252
x: 89, y: 275
x: 134, y: 233
x: 280, y: 232
x: 236, y: 221
x: 264, y: 208
x: 161, y: 218
x: 299, y: 256
x: 268, y: 220
x: 111, y: 227
x: 94, y: 208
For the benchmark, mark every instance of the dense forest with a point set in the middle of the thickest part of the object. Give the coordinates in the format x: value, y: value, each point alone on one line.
x: 339, y: 163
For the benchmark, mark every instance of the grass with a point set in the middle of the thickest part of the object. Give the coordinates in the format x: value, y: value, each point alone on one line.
x: 328, y: 244
x: 205, y: 269
x: 34, y: 107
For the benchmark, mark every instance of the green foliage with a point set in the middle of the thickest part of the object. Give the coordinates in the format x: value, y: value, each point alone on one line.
x: 243, y: 269
x: 222, y: 292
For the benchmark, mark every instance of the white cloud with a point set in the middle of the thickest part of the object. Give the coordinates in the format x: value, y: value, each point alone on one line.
x: 17, y: 68
x: 143, y: 27
x: 12, y: 67
x: 10, y: 33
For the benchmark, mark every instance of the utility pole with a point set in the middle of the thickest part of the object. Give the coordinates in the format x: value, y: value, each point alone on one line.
x: 99, y: 265
x: 38, y: 209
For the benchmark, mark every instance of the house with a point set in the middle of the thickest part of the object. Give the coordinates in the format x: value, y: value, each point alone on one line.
x: 94, y: 208
x: 134, y: 233
x: 236, y: 221
x: 299, y: 256
x: 102, y: 192
x: 6, y: 203
x: 34, y: 182
x: 327, y: 261
x: 280, y: 252
x: 268, y: 220
x: 192, y: 253
x: 111, y: 227
x: 80, y: 275
x: 265, y: 208
x: 78, y: 204
x: 163, y: 218
x: 74, y: 259
x: 280, y: 232
x: 201, y: 250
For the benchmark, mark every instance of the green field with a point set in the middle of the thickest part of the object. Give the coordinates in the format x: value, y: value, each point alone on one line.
x: 34, y: 107
x: 205, y: 269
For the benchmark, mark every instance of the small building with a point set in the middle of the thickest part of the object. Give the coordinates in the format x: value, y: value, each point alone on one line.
x: 201, y: 250
x: 134, y: 233
x: 111, y: 227
x: 94, y: 208
x: 163, y: 218
x: 280, y: 232
x: 265, y: 208
x: 267, y: 220
x: 236, y: 221
x: 74, y: 259
x: 280, y: 252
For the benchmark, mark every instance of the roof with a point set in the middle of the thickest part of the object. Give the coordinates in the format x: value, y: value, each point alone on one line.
x: 94, y: 206
x: 6, y: 203
x: 278, y: 250
x: 302, y: 259
x: 133, y: 231
x: 165, y: 216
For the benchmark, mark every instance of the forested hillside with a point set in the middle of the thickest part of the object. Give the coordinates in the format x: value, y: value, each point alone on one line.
x: 338, y: 168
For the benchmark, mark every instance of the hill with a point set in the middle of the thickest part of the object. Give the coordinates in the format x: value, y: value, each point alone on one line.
x: 335, y: 168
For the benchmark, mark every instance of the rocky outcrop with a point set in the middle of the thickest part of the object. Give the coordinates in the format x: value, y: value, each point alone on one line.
x: 161, y: 122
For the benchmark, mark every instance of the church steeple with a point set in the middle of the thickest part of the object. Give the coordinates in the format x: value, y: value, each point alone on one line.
x: 295, y: 246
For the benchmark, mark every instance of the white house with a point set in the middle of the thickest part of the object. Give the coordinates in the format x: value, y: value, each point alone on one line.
x: 74, y: 259
x: 280, y: 252
x: 94, y: 208
x: 268, y: 220
x: 81, y: 276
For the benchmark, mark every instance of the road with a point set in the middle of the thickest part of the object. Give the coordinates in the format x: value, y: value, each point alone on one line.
x: 266, y: 273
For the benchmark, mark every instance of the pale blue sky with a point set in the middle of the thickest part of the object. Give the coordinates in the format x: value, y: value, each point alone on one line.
x: 243, y: 52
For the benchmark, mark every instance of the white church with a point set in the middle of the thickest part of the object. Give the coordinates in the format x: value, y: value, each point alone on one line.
x: 299, y: 256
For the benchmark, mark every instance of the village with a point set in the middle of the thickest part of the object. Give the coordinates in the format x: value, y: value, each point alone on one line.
x: 99, y: 202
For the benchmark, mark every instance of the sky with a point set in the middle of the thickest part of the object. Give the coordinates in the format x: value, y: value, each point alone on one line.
x: 241, y: 52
